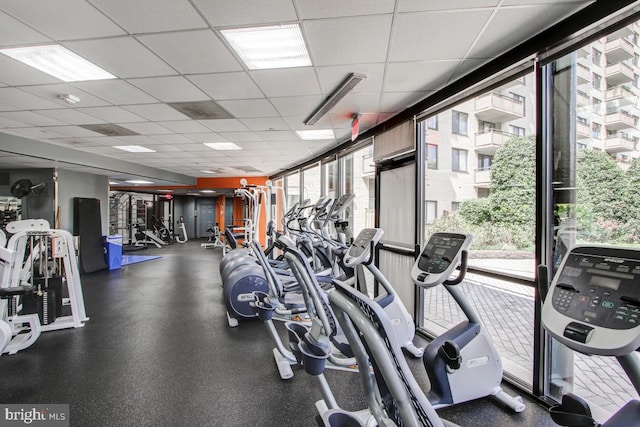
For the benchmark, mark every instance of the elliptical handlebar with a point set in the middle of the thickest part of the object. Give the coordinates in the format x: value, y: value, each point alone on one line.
x: 462, y: 268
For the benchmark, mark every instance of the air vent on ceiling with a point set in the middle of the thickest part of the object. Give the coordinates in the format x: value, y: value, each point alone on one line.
x: 110, y: 129
x: 201, y: 110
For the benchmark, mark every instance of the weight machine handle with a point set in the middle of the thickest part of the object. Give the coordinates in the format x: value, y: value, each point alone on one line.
x: 464, y: 255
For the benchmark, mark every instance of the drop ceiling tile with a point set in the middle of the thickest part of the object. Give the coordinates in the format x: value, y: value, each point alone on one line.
x: 392, y: 102
x: 14, y: 32
x: 246, y: 12
x: 54, y: 93
x: 331, y: 77
x: 147, y: 128
x: 192, y: 52
x: 224, y: 125
x: 71, y: 116
x: 138, y: 140
x: 509, y: 26
x: 117, y: 92
x: 421, y: 5
x: 156, y: 112
x: 115, y: 55
x: 149, y: 16
x: 240, y: 136
x: 173, y: 138
x: 248, y: 108
x: 434, y: 29
x: 112, y: 114
x: 297, y: 122
x: 466, y: 67
x: 102, y: 150
x: 418, y: 75
x: 24, y: 100
x: 63, y: 19
x: 170, y: 89
x: 16, y: 73
x: 37, y: 133
x: 163, y: 148
x: 277, y: 135
x: 287, y: 82
x: 6, y: 122
x: 266, y: 123
x: 227, y: 85
x: 312, y: 9
x: 184, y: 126
x: 31, y: 118
x: 76, y: 131
x: 362, y: 39
x: 206, y: 137
x: 296, y: 105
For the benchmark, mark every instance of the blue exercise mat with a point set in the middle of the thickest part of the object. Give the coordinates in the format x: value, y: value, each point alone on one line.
x: 133, y: 259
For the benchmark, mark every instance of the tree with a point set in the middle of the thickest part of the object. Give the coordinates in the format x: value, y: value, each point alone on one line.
x: 513, y: 185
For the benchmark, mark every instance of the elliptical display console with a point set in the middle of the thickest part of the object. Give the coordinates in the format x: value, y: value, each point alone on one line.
x: 593, y: 305
x: 440, y: 257
x: 360, y: 250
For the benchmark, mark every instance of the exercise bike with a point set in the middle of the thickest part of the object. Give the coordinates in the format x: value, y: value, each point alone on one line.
x: 462, y: 364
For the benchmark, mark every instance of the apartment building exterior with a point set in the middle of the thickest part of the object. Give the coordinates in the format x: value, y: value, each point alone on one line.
x: 462, y: 142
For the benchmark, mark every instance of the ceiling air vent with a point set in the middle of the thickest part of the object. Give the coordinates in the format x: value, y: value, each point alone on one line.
x: 110, y: 129
x: 201, y: 110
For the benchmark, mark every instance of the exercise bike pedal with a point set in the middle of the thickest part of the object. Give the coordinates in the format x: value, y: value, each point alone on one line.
x: 450, y: 353
x: 573, y: 411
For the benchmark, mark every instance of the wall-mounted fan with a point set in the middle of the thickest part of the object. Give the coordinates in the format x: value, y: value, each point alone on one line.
x: 24, y: 187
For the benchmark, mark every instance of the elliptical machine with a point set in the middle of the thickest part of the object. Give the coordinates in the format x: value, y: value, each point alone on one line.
x: 593, y: 307
x: 462, y: 364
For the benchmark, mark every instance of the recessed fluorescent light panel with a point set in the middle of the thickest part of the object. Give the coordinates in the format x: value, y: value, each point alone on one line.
x: 138, y: 181
x: 209, y: 171
x: 222, y: 146
x: 276, y: 46
x: 59, y: 62
x: 134, y: 148
x: 310, y: 135
x: 207, y: 191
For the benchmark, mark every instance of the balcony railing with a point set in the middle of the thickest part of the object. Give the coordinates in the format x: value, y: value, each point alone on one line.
x: 583, y: 130
x: 621, y: 96
x: 619, y: 73
x: 482, y: 178
x: 619, y: 144
x: 620, y: 120
x: 583, y: 73
x: 494, y: 107
x: 582, y: 98
x: 489, y: 141
x: 618, y: 50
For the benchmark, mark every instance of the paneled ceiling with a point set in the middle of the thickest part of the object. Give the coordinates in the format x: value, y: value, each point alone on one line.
x: 168, y: 51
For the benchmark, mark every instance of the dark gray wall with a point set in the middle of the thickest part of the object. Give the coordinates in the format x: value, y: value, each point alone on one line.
x: 80, y: 184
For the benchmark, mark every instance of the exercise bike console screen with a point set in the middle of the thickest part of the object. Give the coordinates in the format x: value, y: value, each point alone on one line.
x: 593, y: 304
x: 439, y: 258
x: 360, y: 249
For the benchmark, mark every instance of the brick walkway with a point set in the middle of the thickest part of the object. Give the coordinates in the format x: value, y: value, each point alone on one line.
x: 506, y: 310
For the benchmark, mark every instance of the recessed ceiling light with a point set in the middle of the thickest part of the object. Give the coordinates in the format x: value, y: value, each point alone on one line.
x: 209, y: 171
x: 114, y: 183
x: 134, y: 148
x: 276, y: 46
x: 59, y: 62
x: 207, y: 191
x: 138, y: 181
x: 316, y: 134
x: 222, y: 145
